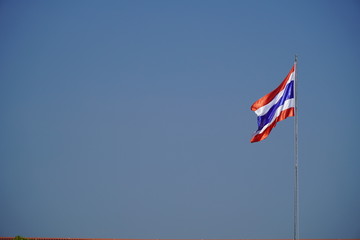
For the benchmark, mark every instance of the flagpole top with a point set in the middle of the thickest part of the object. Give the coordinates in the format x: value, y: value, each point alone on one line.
x: 296, y: 57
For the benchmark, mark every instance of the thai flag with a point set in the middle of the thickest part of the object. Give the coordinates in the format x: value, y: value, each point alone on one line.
x: 275, y: 107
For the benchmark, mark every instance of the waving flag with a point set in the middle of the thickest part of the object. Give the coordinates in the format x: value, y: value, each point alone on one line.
x: 275, y: 107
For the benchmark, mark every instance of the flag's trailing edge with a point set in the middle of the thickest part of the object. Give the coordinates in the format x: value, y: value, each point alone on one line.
x: 275, y: 107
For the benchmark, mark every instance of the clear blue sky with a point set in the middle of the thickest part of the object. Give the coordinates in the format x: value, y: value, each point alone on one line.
x: 131, y: 119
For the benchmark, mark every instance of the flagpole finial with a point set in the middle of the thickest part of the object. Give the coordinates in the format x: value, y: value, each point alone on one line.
x: 296, y: 57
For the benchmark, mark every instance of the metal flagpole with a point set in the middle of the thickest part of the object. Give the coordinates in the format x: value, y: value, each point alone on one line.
x: 296, y: 180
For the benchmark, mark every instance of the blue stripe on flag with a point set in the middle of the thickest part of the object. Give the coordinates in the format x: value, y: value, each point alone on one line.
x: 266, y: 118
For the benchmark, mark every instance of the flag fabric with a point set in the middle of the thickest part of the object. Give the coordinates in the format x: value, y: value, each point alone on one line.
x: 275, y: 107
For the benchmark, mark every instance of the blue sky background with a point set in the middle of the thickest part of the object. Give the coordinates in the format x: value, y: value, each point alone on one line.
x: 131, y: 119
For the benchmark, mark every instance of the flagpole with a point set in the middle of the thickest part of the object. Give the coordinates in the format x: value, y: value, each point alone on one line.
x: 296, y: 164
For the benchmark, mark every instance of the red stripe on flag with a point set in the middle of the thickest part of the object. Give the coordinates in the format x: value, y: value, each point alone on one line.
x: 290, y: 112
